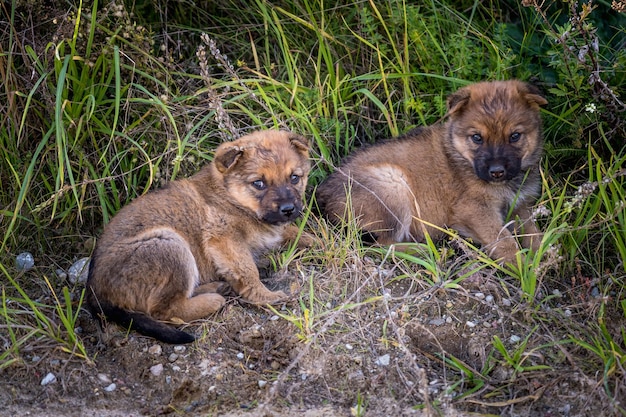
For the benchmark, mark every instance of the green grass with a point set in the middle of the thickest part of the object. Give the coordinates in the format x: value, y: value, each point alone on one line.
x: 112, y: 109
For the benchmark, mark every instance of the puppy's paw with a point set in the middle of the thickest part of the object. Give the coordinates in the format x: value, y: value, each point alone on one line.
x: 264, y: 296
x: 306, y: 241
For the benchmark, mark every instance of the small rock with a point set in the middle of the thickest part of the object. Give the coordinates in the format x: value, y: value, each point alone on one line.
x: 180, y: 349
x: 567, y: 312
x: 104, y: 378
x: 557, y: 293
x: 489, y: 299
x: 514, y: 338
x: 24, y: 261
x: 486, y: 324
x: 155, y: 350
x: 78, y: 271
x: 36, y: 358
x: 470, y: 324
x: 157, y: 369
x: 349, y: 346
x: 50, y: 378
x: 275, y: 365
x: 262, y: 383
x: 595, y: 292
x: 173, y: 357
x: 110, y: 387
x: 506, y: 302
x: 240, y: 356
x: 479, y: 295
x: 437, y: 322
x: 176, y: 368
x: 247, y: 336
x: 383, y: 360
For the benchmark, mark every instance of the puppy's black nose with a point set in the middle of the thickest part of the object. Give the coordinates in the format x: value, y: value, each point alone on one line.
x: 497, y: 172
x: 287, y: 209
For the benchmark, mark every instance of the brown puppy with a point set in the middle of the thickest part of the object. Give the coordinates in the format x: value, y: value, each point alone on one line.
x: 163, y: 256
x: 468, y: 174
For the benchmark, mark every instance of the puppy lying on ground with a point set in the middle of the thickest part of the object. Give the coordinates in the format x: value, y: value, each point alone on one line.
x: 165, y: 255
x: 469, y: 174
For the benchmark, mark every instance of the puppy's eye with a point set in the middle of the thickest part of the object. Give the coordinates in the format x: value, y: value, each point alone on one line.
x: 515, y: 136
x: 477, y: 138
x: 259, y: 184
x: 294, y: 178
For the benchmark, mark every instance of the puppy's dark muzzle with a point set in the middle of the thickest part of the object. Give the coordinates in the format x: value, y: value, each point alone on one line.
x: 497, y: 165
x: 497, y: 172
x: 286, y: 212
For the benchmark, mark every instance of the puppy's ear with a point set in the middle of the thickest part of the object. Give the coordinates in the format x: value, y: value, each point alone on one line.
x: 458, y: 100
x: 533, y: 96
x: 300, y: 143
x: 226, y: 156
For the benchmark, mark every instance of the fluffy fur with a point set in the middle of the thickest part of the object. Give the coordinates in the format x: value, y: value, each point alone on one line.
x: 466, y: 174
x: 169, y: 253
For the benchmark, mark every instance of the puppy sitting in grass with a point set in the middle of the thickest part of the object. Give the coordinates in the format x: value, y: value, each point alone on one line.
x: 166, y: 255
x: 469, y: 174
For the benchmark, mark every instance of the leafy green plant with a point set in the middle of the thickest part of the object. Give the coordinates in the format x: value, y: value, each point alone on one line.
x: 609, y: 351
x: 471, y: 380
x: 518, y: 356
x: 29, y: 322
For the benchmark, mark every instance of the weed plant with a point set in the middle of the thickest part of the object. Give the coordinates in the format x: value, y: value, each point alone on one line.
x: 114, y: 105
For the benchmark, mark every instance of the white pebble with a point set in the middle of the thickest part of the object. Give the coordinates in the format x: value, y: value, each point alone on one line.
x: 104, y: 378
x: 78, y: 271
x: 437, y: 322
x: 180, y: 349
x: 24, y: 261
x: 383, y: 360
x: 470, y: 324
x: 489, y: 299
x: 506, y: 302
x: 50, y: 378
x: 157, y: 369
x: 110, y: 388
x: 567, y: 312
x: 155, y: 350
x: 349, y: 346
x: 514, y: 338
x: 479, y: 295
x: 173, y: 357
x: 262, y: 383
x: 240, y: 356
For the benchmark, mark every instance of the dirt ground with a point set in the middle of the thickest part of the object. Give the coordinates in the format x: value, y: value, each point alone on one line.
x: 374, y: 339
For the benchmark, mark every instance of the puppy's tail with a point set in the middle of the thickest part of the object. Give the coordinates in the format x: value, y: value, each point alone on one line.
x: 142, y: 323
